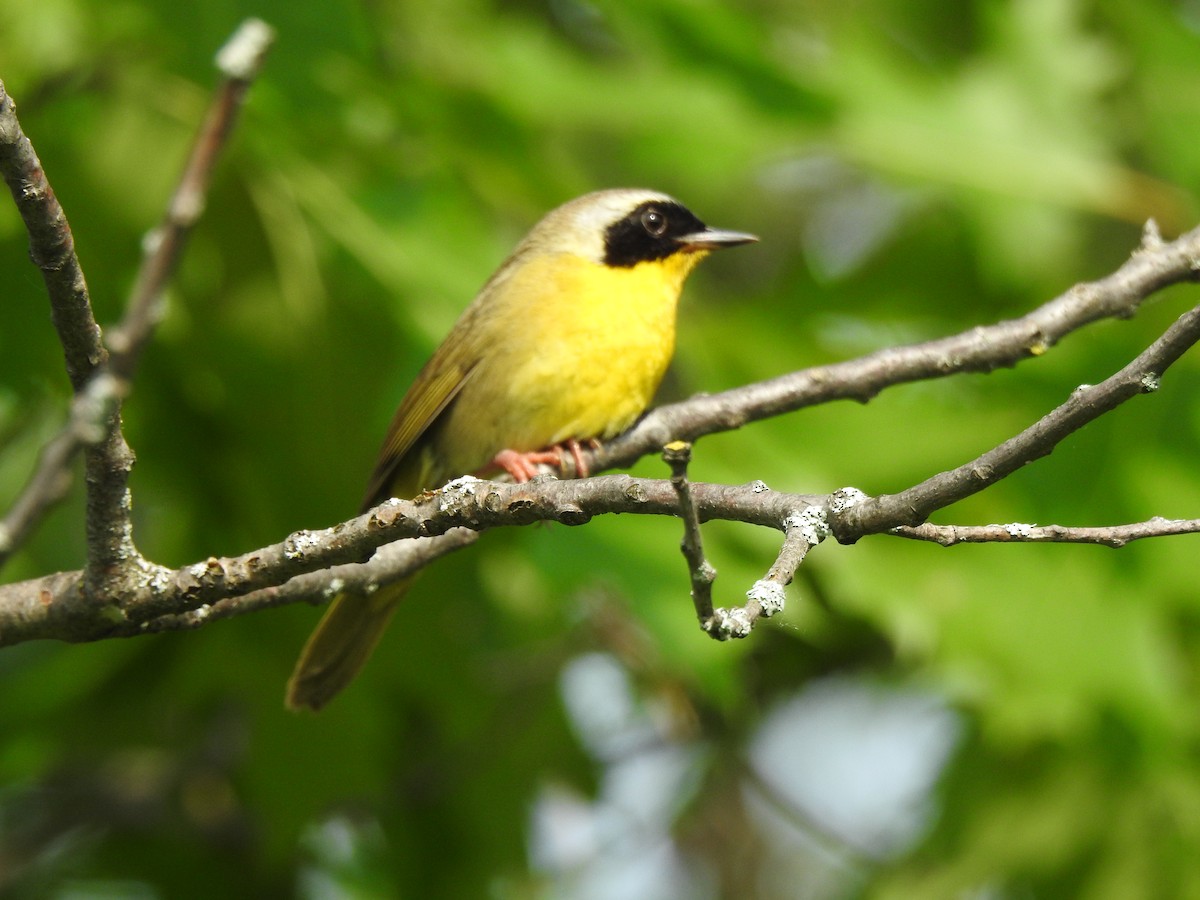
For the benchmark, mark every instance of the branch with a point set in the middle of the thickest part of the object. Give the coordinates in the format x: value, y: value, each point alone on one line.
x: 113, y: 558
x: 802, y: 531
x: 1018, y: 533
x: 51, y: 247
x: 678, y: 455
x: 90, y: 605
x: 1086, y: 403
x: 391, y: 562
x: 1153, y: 266
x: 310, y: 566
x: 159, y: 599
x: 101, y: 381
x: 240, y: 62
x: 57, y: 606
x: 51, y: 480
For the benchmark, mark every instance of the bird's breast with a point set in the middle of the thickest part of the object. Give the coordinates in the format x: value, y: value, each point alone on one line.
x: 574, y: 349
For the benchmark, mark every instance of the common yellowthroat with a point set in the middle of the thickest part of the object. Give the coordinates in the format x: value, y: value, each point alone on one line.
x: 566, y: 342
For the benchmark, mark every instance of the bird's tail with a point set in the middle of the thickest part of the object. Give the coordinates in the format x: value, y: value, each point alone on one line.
x: 341, y: 645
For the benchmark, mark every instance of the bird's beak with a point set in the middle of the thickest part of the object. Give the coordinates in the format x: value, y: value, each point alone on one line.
x: 714, y: 239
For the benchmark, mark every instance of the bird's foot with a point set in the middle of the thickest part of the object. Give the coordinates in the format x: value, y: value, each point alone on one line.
x: 523, y: 466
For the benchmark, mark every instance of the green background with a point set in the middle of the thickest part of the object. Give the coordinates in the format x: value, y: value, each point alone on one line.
x: 548, y: 721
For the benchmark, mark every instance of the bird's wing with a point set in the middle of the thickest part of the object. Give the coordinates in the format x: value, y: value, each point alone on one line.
x: 444, y: 376
x: 433, y: 391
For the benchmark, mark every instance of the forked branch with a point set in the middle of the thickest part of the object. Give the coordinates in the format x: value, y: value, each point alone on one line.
x: 121, y: 594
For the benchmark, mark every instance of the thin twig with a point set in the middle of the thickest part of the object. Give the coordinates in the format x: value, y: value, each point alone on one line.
x: 51, y: 247
x: 678, y: 455
x: 1087, y: 403
x: 51, y: 478
x: 390, y: 563
x: 1016, y: 532
x: 240, y: 62
x: 803, y: 530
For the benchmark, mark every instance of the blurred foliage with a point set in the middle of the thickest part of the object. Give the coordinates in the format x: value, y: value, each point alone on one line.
x: 549, y: 722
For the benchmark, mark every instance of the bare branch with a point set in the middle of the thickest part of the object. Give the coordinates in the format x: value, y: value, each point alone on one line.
x: 102, y: 381
x: 52, y: 478
x: 58, y: 606
x: 803, y: 530
x: 1153, y: 266
x: 678, y: 454
x: 121, y: 594
x: 390, y: 563
x: 112, y: 554
x: 1086, y: 403
x: 1016, y: 532
x: 240, y: 61
x: 51, y: 247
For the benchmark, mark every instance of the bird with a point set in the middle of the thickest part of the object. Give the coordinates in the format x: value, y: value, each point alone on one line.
x: 564, y: 345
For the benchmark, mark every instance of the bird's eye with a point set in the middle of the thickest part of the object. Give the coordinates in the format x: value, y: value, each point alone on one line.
x: 654, y: 222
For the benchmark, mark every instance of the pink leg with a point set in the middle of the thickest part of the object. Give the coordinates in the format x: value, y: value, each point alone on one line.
x: 523, y: 466
x: 581, y: 469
